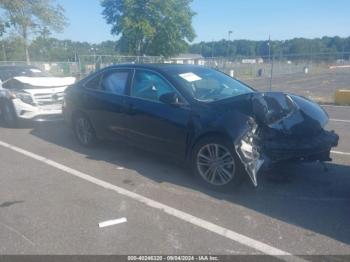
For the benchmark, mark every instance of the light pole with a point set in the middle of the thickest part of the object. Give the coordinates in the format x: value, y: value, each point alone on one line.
x: 94, y: 49
x: 4, y: 51
x: 271, y: 62
x: 230, y: 32
x: 212, y: 49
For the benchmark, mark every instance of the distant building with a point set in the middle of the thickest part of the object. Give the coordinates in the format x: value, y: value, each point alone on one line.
x: 190, y: 59
x: 248, y: 61
x: 260, y: 61
x: 253, y: 61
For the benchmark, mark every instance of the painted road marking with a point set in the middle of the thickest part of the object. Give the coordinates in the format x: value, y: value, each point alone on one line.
x: 18, y: 233
x: 339, y: 120
x: 112, y: 222
x: 340, y: 153
x: 336, y: 106
x: 209, y: 226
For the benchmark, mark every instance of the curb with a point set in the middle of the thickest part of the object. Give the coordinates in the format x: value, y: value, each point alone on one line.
x: 342, y: 97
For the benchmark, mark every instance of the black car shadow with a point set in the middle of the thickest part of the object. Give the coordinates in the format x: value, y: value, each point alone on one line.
x: 303, y: 195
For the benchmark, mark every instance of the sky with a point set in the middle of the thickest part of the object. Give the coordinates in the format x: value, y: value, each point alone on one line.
x: 248, y: 19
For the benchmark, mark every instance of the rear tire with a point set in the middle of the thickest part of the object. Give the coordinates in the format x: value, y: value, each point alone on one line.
x: 8, y: 114
x: 84, y: 131
x: 216, y: 164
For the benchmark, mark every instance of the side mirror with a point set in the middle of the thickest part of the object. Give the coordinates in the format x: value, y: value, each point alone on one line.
x: 170, y: 99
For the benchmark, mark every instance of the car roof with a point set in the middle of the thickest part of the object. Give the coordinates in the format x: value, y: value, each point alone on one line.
x: 157, y: 67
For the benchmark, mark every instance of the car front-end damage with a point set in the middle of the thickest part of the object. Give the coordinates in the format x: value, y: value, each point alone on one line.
x: 38, y: 98
x: 283, y: 127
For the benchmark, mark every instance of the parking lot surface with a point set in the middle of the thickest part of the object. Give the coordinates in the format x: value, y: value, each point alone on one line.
x: 53, y: 194
x: 320, y: 86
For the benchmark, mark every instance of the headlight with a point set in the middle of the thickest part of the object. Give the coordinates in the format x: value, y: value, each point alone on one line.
x: 24, y: 97
x: 272, y: 108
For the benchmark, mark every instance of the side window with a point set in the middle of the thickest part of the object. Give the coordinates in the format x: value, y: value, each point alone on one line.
x: 151, y: 86
x: 2, y: 76
x: 94, y: 83
x: 115, y: 82
x: 7, y: 84
x: 7, y: 75
x: 11, y: 84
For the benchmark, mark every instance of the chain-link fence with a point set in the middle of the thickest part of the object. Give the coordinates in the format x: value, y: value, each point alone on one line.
x: 316, y: 76
x: 91, y: 63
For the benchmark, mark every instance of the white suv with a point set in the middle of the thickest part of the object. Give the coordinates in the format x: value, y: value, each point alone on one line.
x: 32, y: 96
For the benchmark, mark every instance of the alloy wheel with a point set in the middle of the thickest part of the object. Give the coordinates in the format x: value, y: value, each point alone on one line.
x: 215, y: 164
x: 84, y: 131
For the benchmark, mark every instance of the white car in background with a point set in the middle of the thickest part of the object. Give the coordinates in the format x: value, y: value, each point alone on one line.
x: 27, y: 93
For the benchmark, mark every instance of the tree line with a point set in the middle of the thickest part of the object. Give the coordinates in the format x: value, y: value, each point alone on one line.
x: 297, y: 48
x: 45, y: 48
x: 52, y: 50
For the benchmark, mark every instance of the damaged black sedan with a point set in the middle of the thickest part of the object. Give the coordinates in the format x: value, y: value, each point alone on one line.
x: 221, y: 127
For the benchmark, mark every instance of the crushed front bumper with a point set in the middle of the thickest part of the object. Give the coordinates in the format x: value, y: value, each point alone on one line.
x: 315, y: 148
x: 284, y: 127
x: 257, y: 152
x: 37, y: 113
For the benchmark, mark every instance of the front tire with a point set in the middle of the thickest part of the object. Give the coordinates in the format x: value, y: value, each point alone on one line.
x: 84, y: 131
x: 9, y: 115
x: 216, y: 164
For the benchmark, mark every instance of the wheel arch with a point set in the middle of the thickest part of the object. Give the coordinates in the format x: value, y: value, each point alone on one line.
x: 216, y: 133
x: 78, y: 112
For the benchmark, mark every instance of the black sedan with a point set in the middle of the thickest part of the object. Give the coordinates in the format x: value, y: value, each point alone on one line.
x: 221, y: 127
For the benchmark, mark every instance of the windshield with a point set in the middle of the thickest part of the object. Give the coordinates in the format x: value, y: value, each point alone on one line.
x: 208, y: 85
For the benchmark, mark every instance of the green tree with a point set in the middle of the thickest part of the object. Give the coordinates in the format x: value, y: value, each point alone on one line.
x: 152, y: 27
x: 12, y: 49
x: 3, y: 26
x: 33, y: 16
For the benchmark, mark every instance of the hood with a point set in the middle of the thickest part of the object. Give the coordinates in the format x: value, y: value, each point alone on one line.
x: 289, y: 114
x: 46, y: 81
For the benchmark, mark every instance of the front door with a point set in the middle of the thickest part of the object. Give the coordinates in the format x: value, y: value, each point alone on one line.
x: 152, y: 124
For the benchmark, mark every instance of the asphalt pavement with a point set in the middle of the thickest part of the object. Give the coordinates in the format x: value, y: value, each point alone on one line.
x: 54, y: 193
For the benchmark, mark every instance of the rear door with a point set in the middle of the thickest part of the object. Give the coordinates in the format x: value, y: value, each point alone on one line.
x: 152, y: 124
x: 104, y: 100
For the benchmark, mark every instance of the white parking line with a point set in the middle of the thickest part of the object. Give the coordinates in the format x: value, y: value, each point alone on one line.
x: 339, y: 120
x: 224, y: 232
x: 112, y: 222
x: 336, y: 106
x: 340, y: 153
x: 18, y: 233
